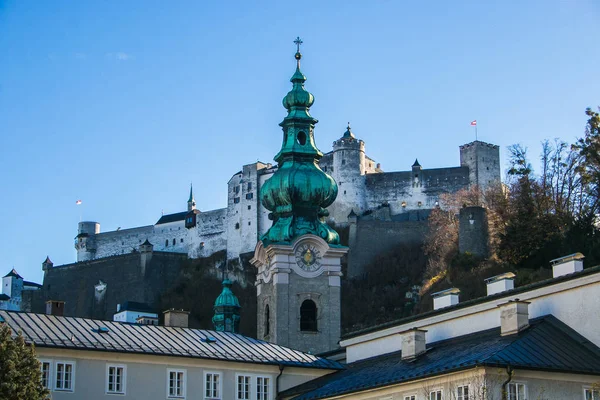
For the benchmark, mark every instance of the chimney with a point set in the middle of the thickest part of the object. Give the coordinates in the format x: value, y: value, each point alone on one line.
x: 176, y: 318
x: 500, y: 283
x: 55, y: 307
x: 413, y: 343
x: 445, y: 298
x: 514, y: 317
x: 567, y: 265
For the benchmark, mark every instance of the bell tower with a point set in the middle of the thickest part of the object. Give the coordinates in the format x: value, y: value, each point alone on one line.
x: 299, y: 257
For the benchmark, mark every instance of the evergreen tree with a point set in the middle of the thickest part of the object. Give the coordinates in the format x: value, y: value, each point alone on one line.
x: 20, y: 375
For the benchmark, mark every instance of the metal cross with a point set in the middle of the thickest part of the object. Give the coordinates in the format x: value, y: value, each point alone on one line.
x: 298, y: 42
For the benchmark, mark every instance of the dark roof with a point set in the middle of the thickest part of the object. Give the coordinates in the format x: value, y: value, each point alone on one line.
x: 14, y: 273
x: 416, y: 164
x: 27, y: 283
x: 165, y: 219
x: 135, y: 306
x: 47, y: 260
x: 479, y: 300
x: 548, y: 345
x: 82, y: 334
x: 146, y: 243
x: 4, y: 297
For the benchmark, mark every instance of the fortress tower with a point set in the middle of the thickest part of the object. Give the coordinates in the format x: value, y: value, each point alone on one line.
x: 85, y: 241
x: 483, y: 160
x: 348, y: 167
x: 298, y: 258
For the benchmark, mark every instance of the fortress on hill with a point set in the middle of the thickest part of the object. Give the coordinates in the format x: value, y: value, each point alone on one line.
x: 364, y: 191
x: 272, y: 237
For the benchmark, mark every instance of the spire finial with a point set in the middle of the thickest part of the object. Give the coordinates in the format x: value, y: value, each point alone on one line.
x: 298, y: 55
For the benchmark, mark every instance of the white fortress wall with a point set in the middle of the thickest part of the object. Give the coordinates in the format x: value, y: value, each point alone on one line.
x: 122, y: 241
x: 209, y: 235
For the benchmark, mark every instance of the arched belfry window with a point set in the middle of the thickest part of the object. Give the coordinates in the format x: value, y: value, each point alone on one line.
x: 308, y: 316
x: 267, y: 320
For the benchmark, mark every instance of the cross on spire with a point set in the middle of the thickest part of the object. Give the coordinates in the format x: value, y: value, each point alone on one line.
x: 298, y: 42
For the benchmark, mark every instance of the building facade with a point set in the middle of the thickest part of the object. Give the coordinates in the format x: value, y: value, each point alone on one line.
x: 91, y: 359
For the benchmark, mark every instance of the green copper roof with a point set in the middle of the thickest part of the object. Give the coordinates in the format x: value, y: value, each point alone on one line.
x: 227, y: 310
x: 348, y: 134
x: 227, y: 298
x: 299, y: 192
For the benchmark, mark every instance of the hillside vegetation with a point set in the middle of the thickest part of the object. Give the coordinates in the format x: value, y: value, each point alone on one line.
x: 533, y: 218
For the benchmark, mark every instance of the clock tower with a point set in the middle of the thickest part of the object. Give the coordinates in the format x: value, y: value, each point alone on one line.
x: 299, y: 257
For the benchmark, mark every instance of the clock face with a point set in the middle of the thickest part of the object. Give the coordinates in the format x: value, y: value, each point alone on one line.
x: 308, y: 257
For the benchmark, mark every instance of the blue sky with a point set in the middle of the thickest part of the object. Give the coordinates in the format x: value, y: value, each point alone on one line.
x: 123, y: 103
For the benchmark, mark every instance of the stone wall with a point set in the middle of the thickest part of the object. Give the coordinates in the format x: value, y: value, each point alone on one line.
x: 370, y: 238
x: 125, y: 279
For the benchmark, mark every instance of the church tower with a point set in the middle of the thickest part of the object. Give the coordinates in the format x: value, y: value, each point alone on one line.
x: 227, y: 310
x: 298, y: 258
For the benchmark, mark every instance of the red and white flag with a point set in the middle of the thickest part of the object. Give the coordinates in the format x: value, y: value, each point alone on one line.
x: 474, y: 122
x: 78, y: 202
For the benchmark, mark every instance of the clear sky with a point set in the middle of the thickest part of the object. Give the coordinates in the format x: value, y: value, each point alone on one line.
x: 123, y: 103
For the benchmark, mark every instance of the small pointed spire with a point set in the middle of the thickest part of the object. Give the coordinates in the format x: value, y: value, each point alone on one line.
x: 416, y: 164
x: 191, y: 201
x: 348, y: 133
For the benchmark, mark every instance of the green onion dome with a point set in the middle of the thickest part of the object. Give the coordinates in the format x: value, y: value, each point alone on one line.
x: 227, y: 310
x: 299, y: 192
x: 227, y: 298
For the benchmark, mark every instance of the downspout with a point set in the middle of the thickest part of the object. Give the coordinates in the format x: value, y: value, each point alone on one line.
x: 277, y: 381
x: 509, y: 372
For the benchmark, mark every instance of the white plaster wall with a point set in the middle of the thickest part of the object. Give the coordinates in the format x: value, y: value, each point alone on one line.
x: 122, y: 241
x: 575, y: 302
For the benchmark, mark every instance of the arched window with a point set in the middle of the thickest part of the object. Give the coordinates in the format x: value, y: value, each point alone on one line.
x: 267, y: 320
x: 308, y: 316
x: 174, y: 241
x: 167, y: 243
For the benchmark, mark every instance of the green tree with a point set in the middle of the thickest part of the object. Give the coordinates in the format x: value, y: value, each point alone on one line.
x: 20, y: 376
x: 589, y: 149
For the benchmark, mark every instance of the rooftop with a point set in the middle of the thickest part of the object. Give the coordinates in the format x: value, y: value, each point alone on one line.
x: 548, y: 345
x: 165, y: 219
x: 51, y: 331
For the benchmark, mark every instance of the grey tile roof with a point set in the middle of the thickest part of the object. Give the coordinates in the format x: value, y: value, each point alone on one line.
x: 547, y: 345
x: 4, y: 297
x: 82, y: 334
x: 180, y: 216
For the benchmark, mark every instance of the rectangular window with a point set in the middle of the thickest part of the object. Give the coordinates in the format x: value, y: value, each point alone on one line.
x: 115, y: 379
x: 45, y: 369
x: 236, y: 200
x: 212, y: 385
x: 592, y: 394
x: 435, y: 395
x: 249, y: 196
x: 243, y: 387
x: 176, y: 383
x: 262, y: 388
x: 462, y: 393
x: 411, y: 397
x: 516, y: 391
x: 65, y: 376
x: 249, y: 186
